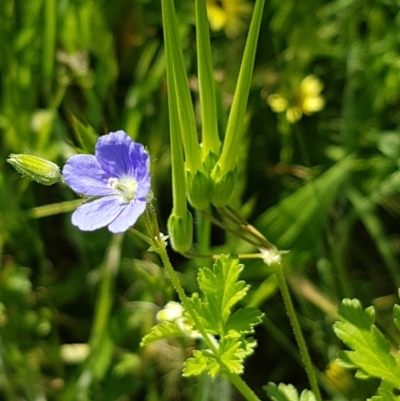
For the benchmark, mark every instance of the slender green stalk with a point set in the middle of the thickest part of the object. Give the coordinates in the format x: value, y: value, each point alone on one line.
x: 203, y: 229
x: 210, y: 140
x: 284, y: 127
x: 225, y: 227
x: 192, y: 255
x: 39, y: 212
x: 178, y: 166
x: 236, y: 117
x: 296, y: 329
x: 144, y: 237
x: 243, y: 225
x: 183, y: 99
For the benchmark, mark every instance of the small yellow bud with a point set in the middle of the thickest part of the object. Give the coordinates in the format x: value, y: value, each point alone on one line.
x: 40, y: 170
x: 294, y: 114
x: 277, y: 103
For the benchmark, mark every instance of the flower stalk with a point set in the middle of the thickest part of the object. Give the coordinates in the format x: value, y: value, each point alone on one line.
x: 210, y: 140
x: 180, y: 222
x: 231, y: 144
x: 305, y: 356
x: 181, y: 94
x: 197, y: 181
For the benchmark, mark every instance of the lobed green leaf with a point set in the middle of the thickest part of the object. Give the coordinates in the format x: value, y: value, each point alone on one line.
x: 396, y: 314
x: 370, y: 349
x: 202, y: 361
x: 244, y: 320
x: 221, y: 287
x: 287, y: 392
x: 161, y: 331
x: 231, y: 354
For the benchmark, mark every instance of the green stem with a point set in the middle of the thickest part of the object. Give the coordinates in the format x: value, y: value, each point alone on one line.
x: 183, y: 100
x: 225, y: 227
x: 236, y: 380
x: 203, y: 229
x: 284, y: 127
x: 235, y: 125
x: 210, y: 140
x: 185, y: 300
x: 178, y: 165
x: 243, y: 225
x: 296, y: 329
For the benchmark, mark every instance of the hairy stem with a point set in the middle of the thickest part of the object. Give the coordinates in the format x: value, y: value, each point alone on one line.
x: 305, y: 356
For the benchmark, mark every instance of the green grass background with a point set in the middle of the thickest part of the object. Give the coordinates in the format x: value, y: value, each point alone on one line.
x: 336, y: 205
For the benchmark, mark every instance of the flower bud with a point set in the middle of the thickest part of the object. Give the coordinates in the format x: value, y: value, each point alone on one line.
x: 210, y: 161
x: 198, y: 187
x: 171, y: 312
x: 180, y: 232
x: 40, y: 170
x: 223, y: 188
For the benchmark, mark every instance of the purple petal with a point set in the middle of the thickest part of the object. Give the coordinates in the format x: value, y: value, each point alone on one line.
x: 143, y: 187
x: 140, y: 160
x: 85, y: 176
x: 128, y: 217
x: 112, y: 152
x: 99, y: 213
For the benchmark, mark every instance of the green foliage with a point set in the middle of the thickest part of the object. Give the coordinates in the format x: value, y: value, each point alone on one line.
x: 291, y: 230
x: 85, y: 135
x: 161, y: 331
x: 221, y: 290
x: 326, y: 188
x: 369, y: 351
x: 287, y: 392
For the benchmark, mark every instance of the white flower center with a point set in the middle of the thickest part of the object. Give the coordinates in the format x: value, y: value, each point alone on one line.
x: 126, y: 186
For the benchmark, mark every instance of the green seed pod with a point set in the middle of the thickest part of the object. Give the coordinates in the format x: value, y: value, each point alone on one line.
x: 40, y: 170
x: 223, y: 188
x: 180, y: 231
x: 198, y: 187
x: 210, y: 161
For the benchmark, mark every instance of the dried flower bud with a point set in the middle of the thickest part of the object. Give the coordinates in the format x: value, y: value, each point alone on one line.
x: 40, y: 170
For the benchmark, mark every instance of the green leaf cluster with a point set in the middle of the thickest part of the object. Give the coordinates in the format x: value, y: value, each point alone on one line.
x: 227, y: 328
x: 287, y: 392
x: 370, y: 351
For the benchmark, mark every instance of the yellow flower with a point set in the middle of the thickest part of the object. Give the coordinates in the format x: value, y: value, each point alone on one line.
x: 338, y: 377
x: 305, y: 99
x: 231, y: 15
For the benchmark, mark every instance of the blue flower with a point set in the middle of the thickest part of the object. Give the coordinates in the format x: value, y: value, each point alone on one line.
x: 118, y: 176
